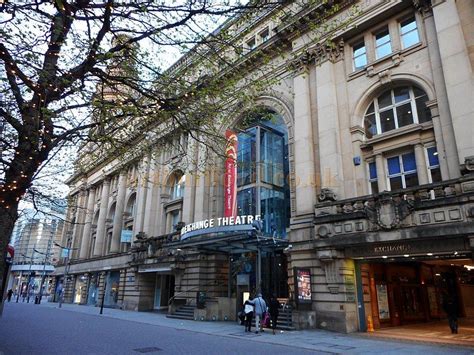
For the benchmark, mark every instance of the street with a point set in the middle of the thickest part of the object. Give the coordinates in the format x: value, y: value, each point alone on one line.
x: 45, y: 329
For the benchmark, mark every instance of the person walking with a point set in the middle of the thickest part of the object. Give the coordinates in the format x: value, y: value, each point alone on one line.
x: 248, y: 311
x: 260, y: 308
x: 451, y: 308
x: 274, y: 308
x: 9, y: 295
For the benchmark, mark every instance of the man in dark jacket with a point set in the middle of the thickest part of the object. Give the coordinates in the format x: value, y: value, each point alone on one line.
x: 451, y: 308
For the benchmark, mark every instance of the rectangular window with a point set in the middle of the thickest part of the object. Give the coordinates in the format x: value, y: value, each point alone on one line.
x: 251, y: 44
x: 402, y: 171
x: 174, y: 220
x: 433, y: 164
x: 264, y: 35
x: 359, y: 55
x: 409, y: 32
x: 374, y: 186
x: 383, y: 47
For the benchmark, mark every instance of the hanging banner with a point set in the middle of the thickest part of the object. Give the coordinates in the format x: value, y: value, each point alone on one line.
x: 230, y: 175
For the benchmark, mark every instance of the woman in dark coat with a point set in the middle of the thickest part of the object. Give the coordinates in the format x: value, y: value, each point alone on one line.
x: 274, y: 308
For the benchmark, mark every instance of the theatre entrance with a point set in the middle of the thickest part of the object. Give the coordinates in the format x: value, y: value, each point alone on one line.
x: 244, y: 284
x: 408, y: 290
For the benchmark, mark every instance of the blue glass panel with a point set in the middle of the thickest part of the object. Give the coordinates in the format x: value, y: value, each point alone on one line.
x: 393, y: 166
x: 408, y: 25
x: 246, y: 202
x: 409, y: 163
x: 273, y: 212
x: 410, y: 38
x: 246, y: 157
x: 433, y: 156
x: 372, y: 171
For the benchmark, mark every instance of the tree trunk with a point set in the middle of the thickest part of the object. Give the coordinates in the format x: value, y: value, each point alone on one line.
x: 8, y: 216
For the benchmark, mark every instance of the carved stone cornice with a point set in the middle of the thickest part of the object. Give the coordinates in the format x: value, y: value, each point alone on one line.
x: 318, y: 54
x: 423, y: 6
x: 331, y: 51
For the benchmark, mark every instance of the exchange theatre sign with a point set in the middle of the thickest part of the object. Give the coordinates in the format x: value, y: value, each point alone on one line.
x: 406, y: 247
x: 219, y: 222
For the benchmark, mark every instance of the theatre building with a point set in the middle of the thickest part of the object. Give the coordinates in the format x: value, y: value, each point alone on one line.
x: 352, y: 197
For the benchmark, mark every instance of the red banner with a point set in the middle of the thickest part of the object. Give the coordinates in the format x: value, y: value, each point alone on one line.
x: 230, y: 175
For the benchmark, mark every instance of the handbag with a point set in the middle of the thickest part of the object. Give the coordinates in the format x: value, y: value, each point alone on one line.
x: 266, y: 319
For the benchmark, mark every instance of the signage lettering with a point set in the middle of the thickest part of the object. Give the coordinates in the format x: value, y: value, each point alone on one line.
x: 392, y: 248
x: 219, y: 222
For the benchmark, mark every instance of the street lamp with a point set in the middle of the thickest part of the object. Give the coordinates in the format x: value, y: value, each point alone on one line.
x: 68, y: 265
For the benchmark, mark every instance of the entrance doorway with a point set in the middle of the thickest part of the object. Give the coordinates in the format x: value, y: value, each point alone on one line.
x: 401, y: 292
x: 243, y: 280
x: 164, y: 290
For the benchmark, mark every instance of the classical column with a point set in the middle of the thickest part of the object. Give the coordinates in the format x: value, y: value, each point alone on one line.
x: 421, y: 168
x: 152, y: 198
x: 143, y: 175
x: 100, y: 233
x: 78, y: 222
x: 440, y: 145
x: 443, y: 127
x: 86, y: 233
x: 458, y: 75
x: 119, y: 207
x: 305, y: 176
x: 329, y: 129
x: 381, y: 177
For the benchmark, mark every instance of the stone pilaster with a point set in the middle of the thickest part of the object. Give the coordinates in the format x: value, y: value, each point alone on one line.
x: 304, y: 145
x: 100, y: 234
x: 143, y: 175
x: 381, y: 176
x: 119, y: 208
x: 86, y: 232
x: 421, y: 164
x: 458, y: 75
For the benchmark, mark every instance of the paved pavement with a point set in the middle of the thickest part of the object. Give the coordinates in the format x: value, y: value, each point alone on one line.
x: 138, y: 330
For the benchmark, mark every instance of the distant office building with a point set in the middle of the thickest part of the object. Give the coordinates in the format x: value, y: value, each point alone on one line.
x: 34, y: 237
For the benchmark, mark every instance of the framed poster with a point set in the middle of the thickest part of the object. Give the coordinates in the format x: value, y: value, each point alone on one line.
x: 303, y: 285
x: 382, y: 301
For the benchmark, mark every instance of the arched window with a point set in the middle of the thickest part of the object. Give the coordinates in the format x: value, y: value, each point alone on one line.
x: 131, y: 205
x: 264, y: 191
x: 396, y: 108
x: 177, y: 189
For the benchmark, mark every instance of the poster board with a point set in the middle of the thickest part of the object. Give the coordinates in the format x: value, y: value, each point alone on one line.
x: 382, y: 301
x: 303, y: 285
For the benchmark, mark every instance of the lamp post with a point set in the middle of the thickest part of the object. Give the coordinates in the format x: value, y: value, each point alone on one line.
x: 66, y: 269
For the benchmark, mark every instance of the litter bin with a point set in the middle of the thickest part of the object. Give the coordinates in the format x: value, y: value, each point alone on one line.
x: 200, y: 299
x: 37, y: 300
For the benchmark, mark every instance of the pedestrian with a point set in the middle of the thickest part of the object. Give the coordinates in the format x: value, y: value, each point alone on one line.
x: 260, y: 308
x: 450, y: 306
x: 274, y: 308
x: 9, y: 295
x: 248, y: 311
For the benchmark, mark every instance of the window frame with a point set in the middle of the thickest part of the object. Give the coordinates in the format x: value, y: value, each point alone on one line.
x: 393, y: 107
x: 381, y: 30
x: 414, y: 17
x: 372, y: 180
x: 402, y: 173
x: 429, y: 167
x: 354, y: 57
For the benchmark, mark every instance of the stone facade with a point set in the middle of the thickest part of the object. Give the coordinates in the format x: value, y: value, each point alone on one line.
x: 380, y: 155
